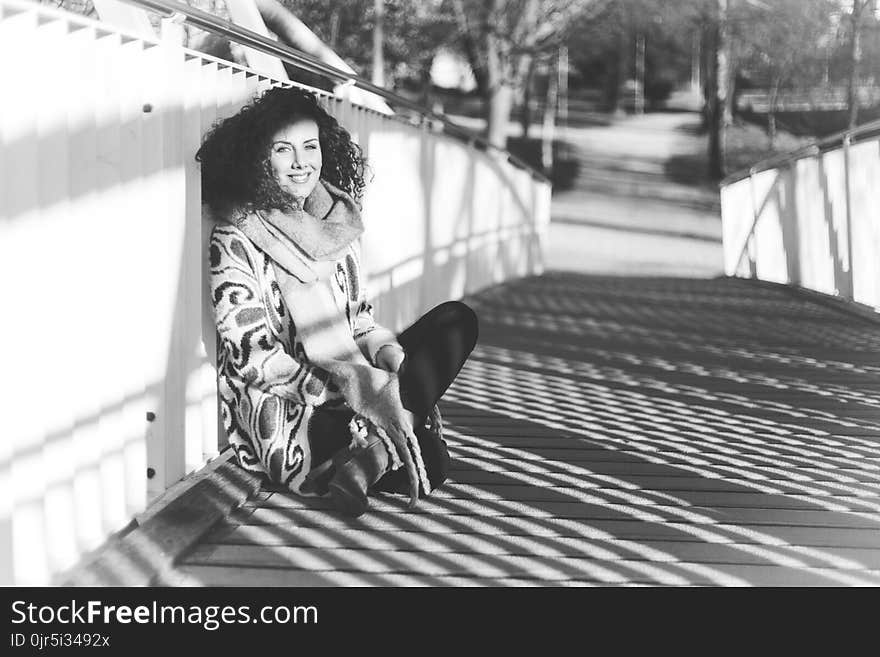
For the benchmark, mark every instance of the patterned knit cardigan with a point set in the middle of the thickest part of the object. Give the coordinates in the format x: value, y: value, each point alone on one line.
x: 268, y: 389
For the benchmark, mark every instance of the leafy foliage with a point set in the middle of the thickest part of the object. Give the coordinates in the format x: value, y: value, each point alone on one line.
x: 413, y: 31
x: 602, y: 45
x: 789, y: 49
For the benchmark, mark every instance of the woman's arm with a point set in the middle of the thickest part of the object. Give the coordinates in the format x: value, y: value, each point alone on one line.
x: 370, y: 337
x: 254, y: 354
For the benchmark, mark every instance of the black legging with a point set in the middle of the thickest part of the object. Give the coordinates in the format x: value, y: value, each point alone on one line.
x: 436, y: 346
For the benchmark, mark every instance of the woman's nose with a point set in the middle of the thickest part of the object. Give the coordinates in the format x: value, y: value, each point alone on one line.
x: 301, y: 158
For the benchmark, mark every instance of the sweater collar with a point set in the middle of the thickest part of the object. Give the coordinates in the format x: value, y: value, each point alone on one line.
x: 306, y: 241
x: 324, y: 227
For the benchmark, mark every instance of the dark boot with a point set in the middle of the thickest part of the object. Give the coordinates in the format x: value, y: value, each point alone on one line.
x: 356, y: 471
x: 434, y: 454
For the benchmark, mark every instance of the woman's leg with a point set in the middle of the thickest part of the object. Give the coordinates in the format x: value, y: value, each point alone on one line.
x: 328, y: 435
x: 437, y: 346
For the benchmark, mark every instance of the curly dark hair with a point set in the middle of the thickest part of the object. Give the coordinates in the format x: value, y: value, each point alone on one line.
x: 235, y: 153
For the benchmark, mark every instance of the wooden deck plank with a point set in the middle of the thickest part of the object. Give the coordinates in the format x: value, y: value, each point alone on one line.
x: 716, y: 499
x: 616, y: 431
x: 589, y: 449
x: 702, y: 517
x: 528, y: 494
x: 765, y: 473
x: 669, y: 483
x: 551, y: 547
x: 498, y: 566
x: 201, y: 575
x: 623, y: 529
x: 792, y: 447
x: 580, y: 454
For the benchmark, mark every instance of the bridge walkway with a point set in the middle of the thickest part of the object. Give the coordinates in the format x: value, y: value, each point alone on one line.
x: 616, y: 430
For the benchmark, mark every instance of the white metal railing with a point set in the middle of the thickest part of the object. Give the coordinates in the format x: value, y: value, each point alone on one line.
x: 109, y: 396
x: 810, y: 218
x: 265, y: 45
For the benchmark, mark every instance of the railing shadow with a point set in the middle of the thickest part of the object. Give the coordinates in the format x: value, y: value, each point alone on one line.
x: 96, y: 465
x: 600, y: 440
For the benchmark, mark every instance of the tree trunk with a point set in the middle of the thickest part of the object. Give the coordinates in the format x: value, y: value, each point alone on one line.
x: 427, y: 85
x: 622, y: 69
x: 640, y: 74
x: 855, y: 56
x: 716, y: 91
x: 707, y: 52
x: 471, y: 48
x: 826, y: 71
x: 771, y: 113
x: 500, y: 102
x: 729, y: 81
x: 378, y: 77
x: 549, y: 125
x: 526, y: 115
x: 725, y: 61
x: 696, y: 56
x: 611, y: 87
x: 563, y: 86
x: 713, y: 108
x: 334, y: 28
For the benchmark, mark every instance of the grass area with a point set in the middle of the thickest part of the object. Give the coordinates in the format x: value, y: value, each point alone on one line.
x: 748, y: 144
x: 565, y: 164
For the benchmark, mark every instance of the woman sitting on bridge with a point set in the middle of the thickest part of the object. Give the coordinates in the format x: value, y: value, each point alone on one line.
x: 315, y: 395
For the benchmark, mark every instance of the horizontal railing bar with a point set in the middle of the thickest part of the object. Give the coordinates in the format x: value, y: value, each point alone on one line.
x: 860, y: 133
x: 251, y: 39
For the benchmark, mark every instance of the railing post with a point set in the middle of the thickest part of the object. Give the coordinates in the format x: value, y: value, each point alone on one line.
x: 791, y: 228
x: 750, y: 246
x: 847, y: 288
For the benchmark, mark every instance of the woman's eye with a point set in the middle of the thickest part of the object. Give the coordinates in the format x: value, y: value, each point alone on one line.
x: 282, y: 149
x: 312, y: 147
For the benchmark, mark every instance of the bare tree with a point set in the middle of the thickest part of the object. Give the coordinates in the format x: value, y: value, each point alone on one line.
x: 501, y: 38
x: 784, y: 48
x: 378, y: 72
x: 411, y: 33
x: 858, y: 14
x: 715, y: 89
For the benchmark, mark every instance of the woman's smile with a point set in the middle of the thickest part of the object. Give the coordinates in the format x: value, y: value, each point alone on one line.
x: 295, y: 157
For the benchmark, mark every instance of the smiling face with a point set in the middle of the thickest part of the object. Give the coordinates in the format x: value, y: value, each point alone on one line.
x: 295, y: 157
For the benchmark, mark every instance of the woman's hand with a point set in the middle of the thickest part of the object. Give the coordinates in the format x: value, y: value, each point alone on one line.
x: 400, y: 431
x: 381, y: 405
x: 390, y: 358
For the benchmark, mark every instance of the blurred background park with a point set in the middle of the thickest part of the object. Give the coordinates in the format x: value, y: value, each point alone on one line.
x: 793, y: 69
x: 635, y: 109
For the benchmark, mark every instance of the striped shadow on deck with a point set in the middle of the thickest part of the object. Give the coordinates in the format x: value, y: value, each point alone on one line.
x: 616, y: 431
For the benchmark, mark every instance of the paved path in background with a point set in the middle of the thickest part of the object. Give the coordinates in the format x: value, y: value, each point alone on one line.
x: 616, y: 430
x: 640, y: 202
